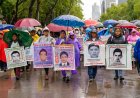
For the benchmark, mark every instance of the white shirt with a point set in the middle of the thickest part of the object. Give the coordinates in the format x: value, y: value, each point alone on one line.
x: 46, y: 40
x: 14, y: 44
x: 64, y: 64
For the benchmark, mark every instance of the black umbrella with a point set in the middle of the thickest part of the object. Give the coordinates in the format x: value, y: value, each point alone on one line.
x: 137, y: 23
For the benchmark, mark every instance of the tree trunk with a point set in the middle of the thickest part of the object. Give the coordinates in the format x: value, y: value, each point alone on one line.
x: 30, y: 14
x: 37, y: 9
x: 51, y: 10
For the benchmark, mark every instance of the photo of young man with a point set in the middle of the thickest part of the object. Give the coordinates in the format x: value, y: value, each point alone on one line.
x: 64, y: 59
x: 93, y: 50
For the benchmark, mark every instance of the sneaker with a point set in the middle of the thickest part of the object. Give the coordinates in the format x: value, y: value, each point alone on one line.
x: 116, y: 78
x: 91, y: 79
x: 67, y: 79
x: 121, y: 78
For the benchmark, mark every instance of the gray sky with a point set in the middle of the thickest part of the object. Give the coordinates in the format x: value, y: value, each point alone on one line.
x: 87, y: 7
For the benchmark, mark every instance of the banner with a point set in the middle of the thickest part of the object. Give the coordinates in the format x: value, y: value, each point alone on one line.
x: 80, y: 39
x: 94, y: 54
x: 15, y: 57
x: 119, y: 56
x: 43, y: 56
x: 64, y: 57
x: 29, y: 53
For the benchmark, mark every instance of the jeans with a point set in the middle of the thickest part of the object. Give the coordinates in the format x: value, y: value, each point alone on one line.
x: 138, y: 67
x: 3, y: 65
x: 46, y: 71
x: 119, y: 73
x: 92, y: 71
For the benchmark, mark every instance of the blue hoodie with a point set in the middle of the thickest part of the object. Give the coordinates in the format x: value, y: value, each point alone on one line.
x: 108, y: 30
x: 88, y: 31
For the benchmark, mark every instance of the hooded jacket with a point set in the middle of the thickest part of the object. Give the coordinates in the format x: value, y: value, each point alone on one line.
x: 107, y: 33
x: 3, y: 45
x: 117, y: 40
x: 137, y: 51
x: 133, y: 38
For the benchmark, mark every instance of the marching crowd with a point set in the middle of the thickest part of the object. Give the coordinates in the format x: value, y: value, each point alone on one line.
x: 114, y: 35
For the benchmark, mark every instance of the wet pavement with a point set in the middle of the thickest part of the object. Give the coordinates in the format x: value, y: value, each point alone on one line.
x: 33, y: 85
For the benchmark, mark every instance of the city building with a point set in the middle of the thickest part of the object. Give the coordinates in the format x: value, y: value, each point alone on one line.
x: 95, y: 12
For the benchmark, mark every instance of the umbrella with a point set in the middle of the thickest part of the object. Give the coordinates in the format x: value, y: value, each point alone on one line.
x: 68, y: 20
x: 90, y: 22
x: 126, y: 25
x: 6, y: 26
x: 134, y: 21
x: 123, y: 21
x: 27, y: 22
x: 24, y: 37
x: 110, y: 22
x: 99, y: 25
x: 56, y: 28
x: 137, y: 23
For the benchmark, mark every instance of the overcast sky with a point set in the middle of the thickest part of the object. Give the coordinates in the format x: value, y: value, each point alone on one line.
x: 87, y: 7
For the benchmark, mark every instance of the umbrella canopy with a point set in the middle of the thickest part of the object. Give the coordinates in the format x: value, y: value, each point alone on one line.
x: 68, y: 20
x: 99, y: 25
x: 133, y: 21
x: 56, y: 28
x: 126, y: 25
x: 90, y: 22
x: 6, y: 26
x: 122, y: 21
x: 24, y: 37
x: 110, y: 22
x: 27, y: 22
x: 137, y: 23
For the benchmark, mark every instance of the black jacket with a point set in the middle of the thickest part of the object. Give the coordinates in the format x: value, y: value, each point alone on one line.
x: 117, y: 40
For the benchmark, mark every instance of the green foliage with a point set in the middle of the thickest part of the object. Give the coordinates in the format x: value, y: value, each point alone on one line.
x: 48, y: 9
x: 125, y: 11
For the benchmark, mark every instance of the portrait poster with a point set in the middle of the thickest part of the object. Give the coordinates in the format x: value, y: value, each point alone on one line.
x: 104, y: 38
x: 15, y: 57
x: 29, y: 53
x: 80, y: 39
x: 43, y: 56
x: 64, y: 57
x: 118, y: 56
x: 94, y: 54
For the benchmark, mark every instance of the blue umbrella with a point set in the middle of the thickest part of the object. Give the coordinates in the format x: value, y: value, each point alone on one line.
x: 6, y: 26
x: 110, y: 22
x: 68, y: 20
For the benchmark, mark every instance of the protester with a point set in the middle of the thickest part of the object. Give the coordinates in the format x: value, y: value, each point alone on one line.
x: 62, y: 40
x: 109, y: 31
x: 3, y: 45
x: 16, y: 43
x: 117, y: 38
x: 133, y: 37
x: 73, y: 40
x: 137, y: 55
x: 46, y: 39
x: 92, y: 70
x: 34, y: 35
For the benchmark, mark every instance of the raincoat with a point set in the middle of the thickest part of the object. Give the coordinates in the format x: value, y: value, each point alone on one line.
x: 86, y: 37
x: 108, y: 33
x: 3, y: 45
x: 35, y: 38
x: 133, y: 38
x: 137, y: 51
x: 77, y: 48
